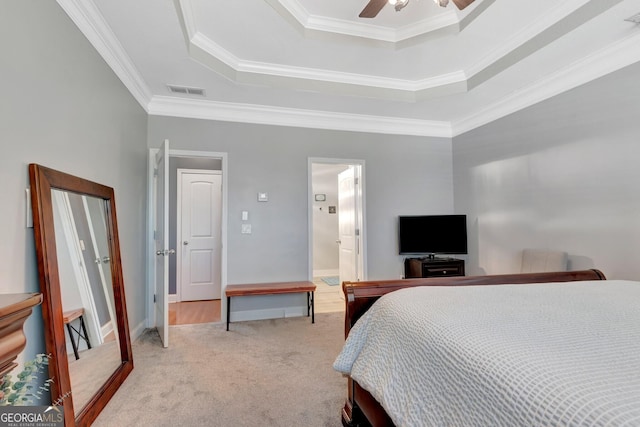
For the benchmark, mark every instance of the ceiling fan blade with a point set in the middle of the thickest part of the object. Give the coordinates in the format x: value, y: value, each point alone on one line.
x: 372, y: 8
x: 461, y: 4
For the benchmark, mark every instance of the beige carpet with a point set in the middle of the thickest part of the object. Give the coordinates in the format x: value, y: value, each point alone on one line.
x: 261, y: 373
x: 93, y: 369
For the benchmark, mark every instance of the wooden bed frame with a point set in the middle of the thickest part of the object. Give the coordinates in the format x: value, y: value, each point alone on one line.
x: 361, y: 409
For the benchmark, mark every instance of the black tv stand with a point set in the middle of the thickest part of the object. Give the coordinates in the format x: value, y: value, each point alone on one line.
x: 431, y: 266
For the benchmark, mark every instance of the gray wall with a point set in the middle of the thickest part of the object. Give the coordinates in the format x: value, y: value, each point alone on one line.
x: 62, y: 107
x: 562, y: 174
x: 404, y: 175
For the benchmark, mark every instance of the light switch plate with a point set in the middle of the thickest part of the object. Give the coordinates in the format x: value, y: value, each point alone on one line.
x: 245, y: 215
x: 263, y: 197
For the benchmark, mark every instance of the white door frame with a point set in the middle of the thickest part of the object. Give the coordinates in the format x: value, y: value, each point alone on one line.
x: 360, y: 201
x: 106, y: 283
x: 179, y: 239
x: 60, y: 201
x: 151, y: 256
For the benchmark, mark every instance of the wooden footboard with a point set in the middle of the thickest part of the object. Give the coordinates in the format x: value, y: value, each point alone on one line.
x: 361, y: 409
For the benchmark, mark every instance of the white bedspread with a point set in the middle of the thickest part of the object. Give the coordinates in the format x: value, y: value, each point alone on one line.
x: 557, y: 354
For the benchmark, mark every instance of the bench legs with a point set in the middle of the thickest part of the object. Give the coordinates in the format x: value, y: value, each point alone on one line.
x: 310, y: 308
x: 228, y: 311
x: 81, y: 332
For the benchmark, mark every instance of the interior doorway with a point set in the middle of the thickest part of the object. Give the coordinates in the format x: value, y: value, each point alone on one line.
x: 336, y: 221
x: 210, y: 163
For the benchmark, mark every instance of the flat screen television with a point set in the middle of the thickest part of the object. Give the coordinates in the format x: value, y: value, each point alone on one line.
x: 433, y: 234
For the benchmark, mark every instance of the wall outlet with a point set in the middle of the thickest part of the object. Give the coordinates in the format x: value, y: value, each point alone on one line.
x: 246, y: 228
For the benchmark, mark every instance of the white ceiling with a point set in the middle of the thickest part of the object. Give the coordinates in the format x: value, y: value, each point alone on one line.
x: 425, y: 70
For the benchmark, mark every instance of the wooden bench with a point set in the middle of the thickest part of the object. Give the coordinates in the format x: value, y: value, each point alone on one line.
x: 272, y: 289
x: 81, y: 331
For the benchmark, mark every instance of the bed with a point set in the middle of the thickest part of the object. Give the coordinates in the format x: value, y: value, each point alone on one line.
x: 536, y: 349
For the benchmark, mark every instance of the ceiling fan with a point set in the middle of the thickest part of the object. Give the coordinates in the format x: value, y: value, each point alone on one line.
x: 374, y: 6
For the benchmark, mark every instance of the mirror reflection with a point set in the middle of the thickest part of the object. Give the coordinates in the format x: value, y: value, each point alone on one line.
x: 84, y: 265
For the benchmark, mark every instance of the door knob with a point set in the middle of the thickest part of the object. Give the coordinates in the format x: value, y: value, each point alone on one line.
x: 338, y: 241
x: 106, y: 260
x: 166, y: 252
x: 185, y: 243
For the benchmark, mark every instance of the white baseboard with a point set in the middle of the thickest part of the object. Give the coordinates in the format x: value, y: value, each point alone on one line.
x: 325, y: 273
x: 272, y: 313
x: 173, y: 298
x: 137, y: 331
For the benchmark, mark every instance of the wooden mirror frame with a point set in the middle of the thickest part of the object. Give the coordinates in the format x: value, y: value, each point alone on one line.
x: 43, y: 180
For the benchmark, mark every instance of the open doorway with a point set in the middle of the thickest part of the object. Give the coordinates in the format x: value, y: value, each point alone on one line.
x: 336, y: 222
x: 195, y: 229
x: 201, y: 177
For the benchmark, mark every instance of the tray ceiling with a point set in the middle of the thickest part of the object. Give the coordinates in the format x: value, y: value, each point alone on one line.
x: 424, y: 70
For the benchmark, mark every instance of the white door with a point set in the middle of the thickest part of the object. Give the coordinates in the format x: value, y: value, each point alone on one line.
x: 95, y: 211
x: 161, y: 239
x: 347, y: 225
x: 199, y: 262
x: 78, y: 285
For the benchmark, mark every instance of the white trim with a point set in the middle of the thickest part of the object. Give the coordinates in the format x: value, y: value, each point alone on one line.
x: 617, y: 55
x: 61, y: 203
x: 92, y: 24
x: 173, y: 298
x: 245, y: 71
x: 107, y: 328
x: 374, y: 32
x: 562, y: 11
x: 150, y: 306
x: 362, y: 222
x: 562, y: 19
x: 178, y: 207
x: 609, y: 59
x: 249, y: 113
x: 137, y: 331
x: 104, y: 282
x: 602, y: 62
x: 295, y: 13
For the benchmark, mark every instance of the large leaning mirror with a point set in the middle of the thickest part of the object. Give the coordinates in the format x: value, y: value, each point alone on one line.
x: 84, y: 309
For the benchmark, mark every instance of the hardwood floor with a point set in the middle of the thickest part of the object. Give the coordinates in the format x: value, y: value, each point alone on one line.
x: 190, y: 312
x: 329, y: 299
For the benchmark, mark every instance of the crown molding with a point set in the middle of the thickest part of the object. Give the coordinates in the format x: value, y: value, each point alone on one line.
x: 278, y: 116
x: 529, y: 32
x: 225, y: 63
x: 89, y: 20
x: 263, y: 68
x: 294, y: 9
x: 559, y: 21
x: 614, y: 57
x: 87, y: 17
x: 605, y: 61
